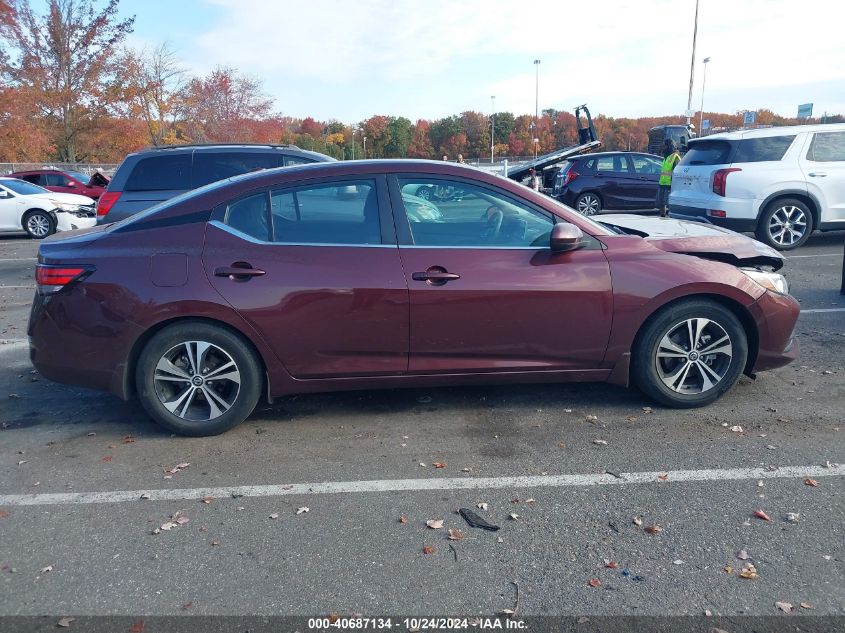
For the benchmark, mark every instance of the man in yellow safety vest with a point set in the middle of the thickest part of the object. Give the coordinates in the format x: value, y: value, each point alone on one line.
x: 671, y: 158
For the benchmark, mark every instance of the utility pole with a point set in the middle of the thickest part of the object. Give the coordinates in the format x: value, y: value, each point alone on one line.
x: 692, y: 64
x: 536, y: 104
x: 353, y: 143
x: 492, y: 126
x: 701, y: 111
x: 365, y: 148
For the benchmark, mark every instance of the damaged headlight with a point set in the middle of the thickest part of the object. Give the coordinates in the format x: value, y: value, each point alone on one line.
x: 64, y: 206
x: 769, y: 280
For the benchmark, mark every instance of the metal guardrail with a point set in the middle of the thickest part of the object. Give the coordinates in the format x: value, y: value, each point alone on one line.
x: 85, y: 168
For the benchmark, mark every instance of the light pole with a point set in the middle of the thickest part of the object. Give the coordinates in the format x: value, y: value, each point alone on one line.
x: 536, y: 93
x: 692, y: 64
x: 365, y: 148
x: 701, y: 112
x: 353, y: 143
x: 492, y: 126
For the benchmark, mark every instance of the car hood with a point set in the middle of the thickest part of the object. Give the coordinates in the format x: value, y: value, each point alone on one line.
x: 696, y: 238
x: 67, y: 198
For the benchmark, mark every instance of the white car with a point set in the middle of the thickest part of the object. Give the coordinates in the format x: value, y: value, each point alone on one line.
x: 39, y: 212
x: 782, y: 183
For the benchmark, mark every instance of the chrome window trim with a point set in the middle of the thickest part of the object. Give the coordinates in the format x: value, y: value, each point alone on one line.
x: 485, y: 248
x: 225, y: 227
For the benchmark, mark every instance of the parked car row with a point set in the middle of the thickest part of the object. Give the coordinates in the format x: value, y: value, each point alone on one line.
x: 39, y: 212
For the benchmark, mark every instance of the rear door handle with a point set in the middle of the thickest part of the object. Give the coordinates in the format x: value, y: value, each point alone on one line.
x: 238, y: 270
x: 818, y: 174
x: 435, y: 276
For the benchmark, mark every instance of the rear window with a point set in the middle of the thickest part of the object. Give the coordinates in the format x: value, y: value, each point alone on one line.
x: 213, y: 166
x: 707, y: 153
x: 755, y: 150
x: 827, y: 147
x: 161, y: 173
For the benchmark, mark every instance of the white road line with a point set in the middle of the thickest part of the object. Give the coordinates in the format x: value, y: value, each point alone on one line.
x: 410, y: 485
x: 822, y: 310
x: 29, y: 287
x: 820, y: 255
x: 18, y: 259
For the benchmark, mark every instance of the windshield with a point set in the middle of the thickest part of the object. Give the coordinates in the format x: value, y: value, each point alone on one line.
x: 22, y: 187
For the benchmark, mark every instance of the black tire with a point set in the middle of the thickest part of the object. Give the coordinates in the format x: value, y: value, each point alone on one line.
x: 648, y: 371
x: 38, y: 224
x: 224, y: 346
x: 779, y: 213
x: 588, y: 203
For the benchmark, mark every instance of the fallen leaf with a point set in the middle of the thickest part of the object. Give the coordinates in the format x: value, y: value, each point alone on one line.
x: 128, y: 439
x: 215, y: 542
x: 742, y: 555
x: 275, y: 515
x: 203, y: 529
x: 137, y: 627
x: 513, y: 516
x: 65, y: 622
x: 303, y: 510
x: 187, y: 606
x: 806, y: 605
x: 182, y: 520
x: 434, y: 524
x: 507, y: 612
x: 611, y: 564
x: 529, y: 500
x: 106, y: 459
x: 728, y: 569
x: 793, y: 517
x: 500, y: 540
x: 44, y: 570
x: 811, y: 482
x: 653, y: 529
x: 91, y: 434
x: 647, y: 410
x: 428, y: 550
x: 677, y: 561
x: 592, y: 418
x: 455, y: 534
x: 663, y: 477
x: 561, y: 445
x: 403, y: 519
x: 169, y: 526
x: 207, y: 499
x: 594, y: 582
x: 22, y: 462
x: 708, y: 613
x: 466, y: 470
x: 749, y: 572
x: 632, y: 418
x: 439, y: 464
x: 583, y: 619
x: 600, y: 442
x: 762, y: 515
x: 146, y: 495
x: 786, y: 607
x: 177, y: 468
x: 736, y: 428
x: 637, y: 521
x: 481, y: 506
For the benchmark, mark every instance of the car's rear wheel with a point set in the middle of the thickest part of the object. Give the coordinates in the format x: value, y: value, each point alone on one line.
x: 689, y: 354
x: 198, y: 379
x: 588, y: 204
x: 785, y: 224
x: 38, y: 224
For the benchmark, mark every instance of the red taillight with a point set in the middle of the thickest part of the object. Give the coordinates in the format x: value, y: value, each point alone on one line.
x: 570, y: 176
x: 720, y: 179
x: 54, y: 278
x: 106, y: 202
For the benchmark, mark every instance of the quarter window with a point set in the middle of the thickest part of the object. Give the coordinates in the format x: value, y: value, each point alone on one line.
x: 336, y: 213
x: 161, y: 173
x: 827, y: 147
x: 249, y: 215
x: 756, y: 150
x: 453, y: 213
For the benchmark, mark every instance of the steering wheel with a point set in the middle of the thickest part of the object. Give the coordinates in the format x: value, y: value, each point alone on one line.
x: 494, y: 226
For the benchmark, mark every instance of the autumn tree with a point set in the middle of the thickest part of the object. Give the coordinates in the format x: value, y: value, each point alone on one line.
x: 401, y: 132
x: 420, y: 145
x: 65, y: 58
x: 221, y: 105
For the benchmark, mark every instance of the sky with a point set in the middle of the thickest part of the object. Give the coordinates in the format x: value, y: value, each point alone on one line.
x: 351, y: 59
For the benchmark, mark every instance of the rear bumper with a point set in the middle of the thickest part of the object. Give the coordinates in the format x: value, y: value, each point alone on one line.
x: 776, y: 316
x: 700, y: 214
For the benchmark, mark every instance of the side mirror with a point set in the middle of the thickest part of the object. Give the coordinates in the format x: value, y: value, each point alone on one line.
x: 71, y: 183
x: 566, y: 237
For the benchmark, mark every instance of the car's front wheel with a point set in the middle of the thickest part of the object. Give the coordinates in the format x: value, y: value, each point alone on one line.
x: 38, y: 224
x: 198, y: 379
x: 588, y: 204
x: 689, y: 354
x: 785, y: 224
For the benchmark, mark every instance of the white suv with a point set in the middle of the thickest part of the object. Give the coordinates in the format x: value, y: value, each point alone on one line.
x: 781, y: 183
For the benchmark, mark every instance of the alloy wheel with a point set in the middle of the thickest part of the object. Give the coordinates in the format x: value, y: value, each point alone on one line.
x: 787, y: 225
x: 588, y: 204
x: 694, y: 356
x: 197, y: 381
x: 38, y: 225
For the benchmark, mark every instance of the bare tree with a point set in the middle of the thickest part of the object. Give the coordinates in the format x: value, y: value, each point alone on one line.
x: 66, y: 57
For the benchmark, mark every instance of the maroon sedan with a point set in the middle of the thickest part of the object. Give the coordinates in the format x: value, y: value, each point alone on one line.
x: 66, y: 181
x: 339, y: 276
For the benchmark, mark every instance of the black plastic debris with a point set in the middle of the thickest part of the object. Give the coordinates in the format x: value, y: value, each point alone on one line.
x: 476, y: 521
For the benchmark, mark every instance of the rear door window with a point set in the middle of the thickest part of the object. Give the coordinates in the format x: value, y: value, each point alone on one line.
x: 615, y: 163
x: 707, y: 153
x: 161, y: 173
x: 827, y: 147
x: 756, y: 150
x: 35, y: 179
x: 214, y: 166
x: 55, y: 180
x: 328, y: 213
x: 645, y: 165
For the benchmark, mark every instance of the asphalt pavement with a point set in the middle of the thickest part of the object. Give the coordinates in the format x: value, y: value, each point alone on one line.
x: 607, y: 503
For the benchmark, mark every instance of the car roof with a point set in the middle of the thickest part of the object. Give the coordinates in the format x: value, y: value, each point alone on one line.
x: 772, y: 131
x: 601, y: 154
x: 228, y: 147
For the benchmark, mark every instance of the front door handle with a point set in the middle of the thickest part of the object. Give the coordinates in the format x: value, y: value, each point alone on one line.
x: 818, y: 174
x: 435, y: 276
x: 239, y: 271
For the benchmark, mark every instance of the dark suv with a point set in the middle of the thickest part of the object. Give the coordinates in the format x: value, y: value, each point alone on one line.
x: 153, y: 175
x: 608, y: 180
